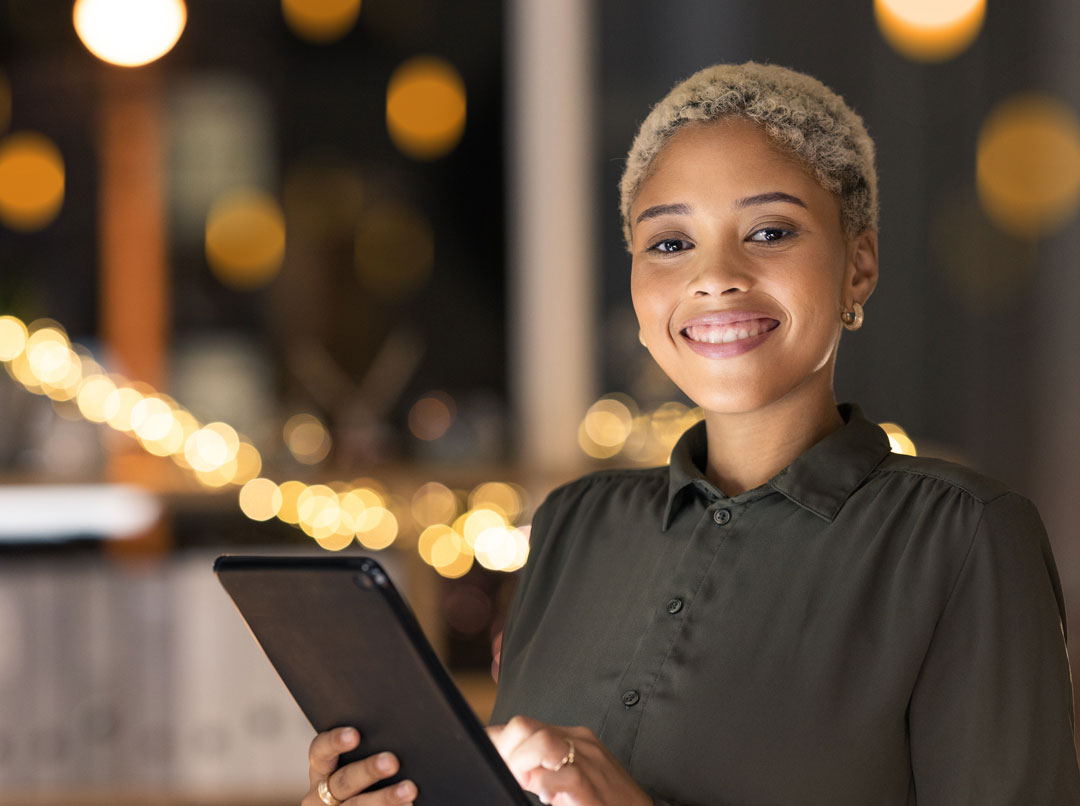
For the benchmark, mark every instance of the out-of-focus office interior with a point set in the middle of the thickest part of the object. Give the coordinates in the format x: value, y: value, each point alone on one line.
x: 319, y: 276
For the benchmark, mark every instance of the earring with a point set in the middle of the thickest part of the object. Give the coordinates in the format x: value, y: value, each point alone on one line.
x: 852, y: 319
x: 641, y: 338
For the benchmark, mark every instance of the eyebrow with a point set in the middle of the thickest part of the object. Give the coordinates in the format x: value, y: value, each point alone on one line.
x: 658, y: 210
x: 768, y: 198
x: 663, y: 209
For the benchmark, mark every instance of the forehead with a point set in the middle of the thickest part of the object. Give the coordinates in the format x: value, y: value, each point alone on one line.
x: 730, y: 156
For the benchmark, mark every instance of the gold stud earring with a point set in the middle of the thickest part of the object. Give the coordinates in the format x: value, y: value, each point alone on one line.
x: 852, y: 319
x: 641, y: 338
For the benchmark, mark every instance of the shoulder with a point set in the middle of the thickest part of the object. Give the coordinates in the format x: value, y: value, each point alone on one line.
x: 922, y: 472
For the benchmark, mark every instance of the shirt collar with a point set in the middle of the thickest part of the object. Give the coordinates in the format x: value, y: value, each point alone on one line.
x: 820, y: 480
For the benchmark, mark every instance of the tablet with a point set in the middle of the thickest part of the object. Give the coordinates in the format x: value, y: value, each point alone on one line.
x: 350, y: 651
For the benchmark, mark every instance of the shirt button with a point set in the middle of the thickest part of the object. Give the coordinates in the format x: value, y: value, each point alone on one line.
x: 674, y: 605
x: 630, y: 698
x: 722, y: 516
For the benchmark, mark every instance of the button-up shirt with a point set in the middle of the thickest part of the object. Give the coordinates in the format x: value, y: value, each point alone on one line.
x: 864, y: 628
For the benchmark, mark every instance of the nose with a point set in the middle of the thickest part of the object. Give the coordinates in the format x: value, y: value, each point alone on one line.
x: 717, y: 274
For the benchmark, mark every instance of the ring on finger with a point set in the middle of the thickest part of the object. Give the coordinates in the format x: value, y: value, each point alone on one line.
x: 567, y: 759
x: 325, y: 795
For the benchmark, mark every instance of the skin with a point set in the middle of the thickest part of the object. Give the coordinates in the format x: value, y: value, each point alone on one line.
x: 715, y: 229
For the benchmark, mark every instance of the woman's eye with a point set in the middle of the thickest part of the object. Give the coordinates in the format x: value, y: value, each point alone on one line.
x: 669, y: 245
x: 770, y: 234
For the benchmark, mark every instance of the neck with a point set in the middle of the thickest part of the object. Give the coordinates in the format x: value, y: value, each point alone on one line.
x: 746, y: 449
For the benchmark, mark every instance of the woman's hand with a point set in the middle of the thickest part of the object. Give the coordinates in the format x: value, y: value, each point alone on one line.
x: 539, y: 756
x: 346, y: 785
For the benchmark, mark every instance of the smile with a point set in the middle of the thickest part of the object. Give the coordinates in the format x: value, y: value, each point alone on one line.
x: 725, y: 334
x: 731, y: 336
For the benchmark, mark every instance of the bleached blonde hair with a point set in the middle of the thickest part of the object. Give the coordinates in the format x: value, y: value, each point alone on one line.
x: 796, y: 111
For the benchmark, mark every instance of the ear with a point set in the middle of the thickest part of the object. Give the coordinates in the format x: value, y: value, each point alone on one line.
x: 862, y: 267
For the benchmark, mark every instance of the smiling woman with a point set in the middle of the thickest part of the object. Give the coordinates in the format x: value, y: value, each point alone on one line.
x: 788, y: 613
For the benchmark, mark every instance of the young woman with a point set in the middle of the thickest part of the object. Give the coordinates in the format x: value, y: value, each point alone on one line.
x: 789, y: 613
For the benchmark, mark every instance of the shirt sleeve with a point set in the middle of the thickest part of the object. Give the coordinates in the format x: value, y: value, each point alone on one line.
x: 990, y: 716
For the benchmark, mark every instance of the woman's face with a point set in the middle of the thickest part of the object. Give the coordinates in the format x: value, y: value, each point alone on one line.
x: 741, y: 269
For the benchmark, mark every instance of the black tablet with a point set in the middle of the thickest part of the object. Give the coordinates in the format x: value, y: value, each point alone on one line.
x: 350, y: 651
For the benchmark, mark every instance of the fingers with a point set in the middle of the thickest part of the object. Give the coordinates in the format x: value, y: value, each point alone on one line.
x: 507, y: 737
x: 325, y: 749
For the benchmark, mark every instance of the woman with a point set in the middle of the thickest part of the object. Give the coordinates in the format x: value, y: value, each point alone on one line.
x: 789, y: 613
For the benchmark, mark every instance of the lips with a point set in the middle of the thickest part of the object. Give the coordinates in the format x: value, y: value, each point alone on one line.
x: 724, y: 334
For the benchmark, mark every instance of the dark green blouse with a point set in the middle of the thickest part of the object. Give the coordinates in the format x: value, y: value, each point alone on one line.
x: 864, y: 628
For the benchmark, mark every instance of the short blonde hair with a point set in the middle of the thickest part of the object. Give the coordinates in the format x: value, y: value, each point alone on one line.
x: 796, y: 111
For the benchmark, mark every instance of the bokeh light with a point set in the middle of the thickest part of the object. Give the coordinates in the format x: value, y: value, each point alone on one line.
x: 152, y: 419
x: 118, y: 407
x: 290, y: 494
x: 260, y: 499
x: 899, y: 441
x: 211, y: 447
x: 307, y: 438
x: 245, y: 238
x: 506, y: 498
x: 429, y: 539
x: 378, y: 529
x: 1027, y: 165
x: 129, y: 33
x: 320, y: 21
x: 384, y: 266
x: 31, y: 181
x: 433, y: 503
x: 425, y: 107
x: 49, y: 355
x: 431, y: 416
x: 929, y: 30
x: 248, y: 463
x: 13, y: 335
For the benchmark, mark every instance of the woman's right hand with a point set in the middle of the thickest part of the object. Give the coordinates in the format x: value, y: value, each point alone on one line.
x: 348, y: 783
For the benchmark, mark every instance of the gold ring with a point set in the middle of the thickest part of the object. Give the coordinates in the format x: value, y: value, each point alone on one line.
x: 324, y: 793
x: 567, y: 759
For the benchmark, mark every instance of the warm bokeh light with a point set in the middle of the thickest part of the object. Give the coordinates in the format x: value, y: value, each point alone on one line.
x: 129, y: 33
x: 318, y: 511
x: 479, y: 521
x: 245, y: 238
x: 118, y: 407
x: 506, y: 498
x: 1027, y: 165
x: 248, y: 463
x: 260, y: 499
x: 380, y: 528
x: 433, y: 503
x: 49, y: 355
x: 899, y: 441
x: 431, y: 416
x: 152, y: 419
x: 31, y: 181
x: 929, y: 30
x: 383, y: 266
x: 92, y: 395
x: 211, y: 447
x: 13, y: 335
x: 502, y: 549
x: 450, y: 554
x: 290, y: 494
x: 306, y: 438
x: 67, y: 386
x: 425, y: 107
x: 320, y: 21
x: 608, y: 423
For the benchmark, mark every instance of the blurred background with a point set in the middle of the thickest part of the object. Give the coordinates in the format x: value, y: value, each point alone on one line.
x: 317, y: 275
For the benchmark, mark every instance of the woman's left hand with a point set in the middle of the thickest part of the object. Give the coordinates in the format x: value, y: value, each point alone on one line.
x: 564, y: 766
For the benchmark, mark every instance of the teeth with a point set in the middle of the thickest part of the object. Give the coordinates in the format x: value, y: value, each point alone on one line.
x: 719, y: 334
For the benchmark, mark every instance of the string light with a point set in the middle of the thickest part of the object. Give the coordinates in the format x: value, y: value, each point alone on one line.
x: 333, y: 515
